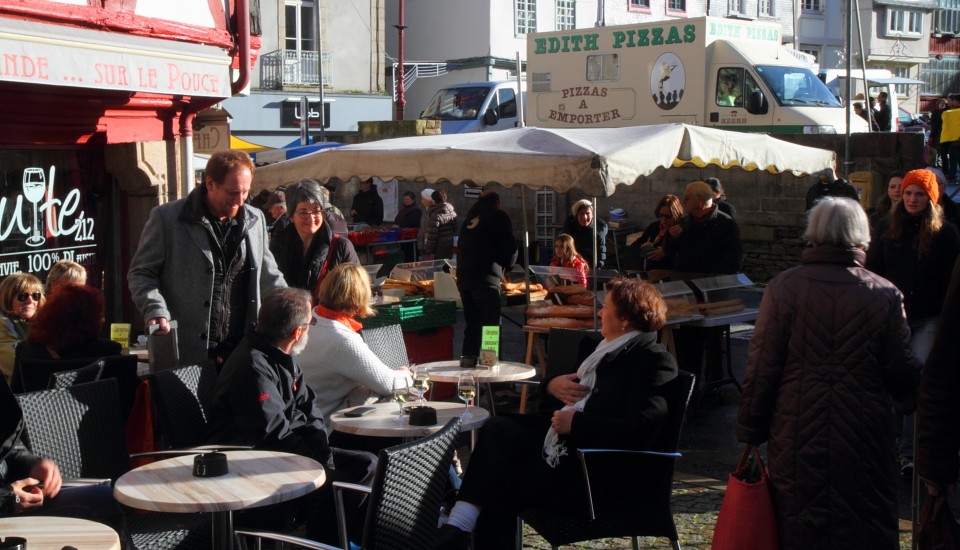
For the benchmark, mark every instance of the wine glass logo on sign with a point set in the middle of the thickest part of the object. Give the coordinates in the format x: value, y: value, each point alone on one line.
x: 34, y: 187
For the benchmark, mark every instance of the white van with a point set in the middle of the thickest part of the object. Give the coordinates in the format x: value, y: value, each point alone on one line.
x: 877, y: 80
x: 474, y: 107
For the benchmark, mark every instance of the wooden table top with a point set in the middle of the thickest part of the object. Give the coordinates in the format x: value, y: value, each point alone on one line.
x: 505, y: 371
x: 256, y: 478
x: 380, y: 423
x: 53, y: 533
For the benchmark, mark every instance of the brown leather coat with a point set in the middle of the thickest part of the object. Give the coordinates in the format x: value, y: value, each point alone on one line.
x: 830, y: 351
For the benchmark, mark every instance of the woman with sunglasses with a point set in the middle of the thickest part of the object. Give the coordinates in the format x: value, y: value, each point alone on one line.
x: 21, y: 295
x: 309, y: 248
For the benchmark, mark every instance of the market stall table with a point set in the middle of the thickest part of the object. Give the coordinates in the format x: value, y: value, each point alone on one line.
x: 55, y: 533
x: 382, y: 421
x: 256, y: 478
x: 504, y: 371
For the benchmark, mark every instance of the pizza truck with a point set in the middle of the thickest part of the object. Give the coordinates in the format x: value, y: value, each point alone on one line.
x: 707, y: 71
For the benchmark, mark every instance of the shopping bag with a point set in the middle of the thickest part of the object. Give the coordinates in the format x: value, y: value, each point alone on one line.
x: 937, y: 530
x: 746, y: 520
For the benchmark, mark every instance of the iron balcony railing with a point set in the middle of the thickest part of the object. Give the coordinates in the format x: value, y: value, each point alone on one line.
x: 293, y: 68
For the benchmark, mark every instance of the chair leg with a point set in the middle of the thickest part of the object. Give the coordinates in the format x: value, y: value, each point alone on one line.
x: 519, y: 544
x: 675, y: 544
x: 636, y: 543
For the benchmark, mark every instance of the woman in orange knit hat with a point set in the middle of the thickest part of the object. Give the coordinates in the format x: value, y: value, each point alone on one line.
x: 915, y: 249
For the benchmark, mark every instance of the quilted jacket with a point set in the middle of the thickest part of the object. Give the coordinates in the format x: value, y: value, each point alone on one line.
x: 830, y: 352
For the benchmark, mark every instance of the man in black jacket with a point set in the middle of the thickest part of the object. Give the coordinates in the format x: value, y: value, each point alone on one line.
x: 367, y: 205
x: 706, y: 240
x: 261, y: 400
x: 487, y: 250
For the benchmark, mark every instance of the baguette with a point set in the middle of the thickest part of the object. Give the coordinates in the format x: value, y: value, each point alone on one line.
x: 709, y: 307
x: 561, y: 311
x: 567, y: 290
x: 724, y: 310
x: 559, y: 322
x: 582, y: 299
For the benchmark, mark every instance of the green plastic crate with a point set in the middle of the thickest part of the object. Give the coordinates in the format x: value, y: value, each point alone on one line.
x: 414, y: 314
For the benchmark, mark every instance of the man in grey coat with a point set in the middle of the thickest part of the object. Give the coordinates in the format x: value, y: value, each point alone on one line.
x: 204, y: 261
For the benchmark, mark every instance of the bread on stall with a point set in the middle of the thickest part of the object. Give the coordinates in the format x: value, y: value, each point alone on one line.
x: 538, y: 294
x: 722, y: 307
x: 559, y: 322
x: 568, y: 290
x: 582, y: 299
x: 578, y: 312
x: 680, y: 307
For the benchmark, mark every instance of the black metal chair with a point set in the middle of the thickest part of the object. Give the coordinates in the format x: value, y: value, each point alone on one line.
x: 181, y: 398
x: 34, y: 374
x: 405, y: 499
x: 387, y: 344
x: 642, y: 479
x: 67, y: 378
x: 80, y: 428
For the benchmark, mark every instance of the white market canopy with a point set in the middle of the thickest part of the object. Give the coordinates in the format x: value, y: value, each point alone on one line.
x: 594, y: 160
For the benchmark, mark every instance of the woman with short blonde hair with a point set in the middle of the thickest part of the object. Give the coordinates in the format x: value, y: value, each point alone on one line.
x: 65, y: 272
x: 337, y: 364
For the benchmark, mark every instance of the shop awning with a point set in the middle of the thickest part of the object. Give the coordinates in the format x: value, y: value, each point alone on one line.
x: 287, y: 153
x: 244, y: 145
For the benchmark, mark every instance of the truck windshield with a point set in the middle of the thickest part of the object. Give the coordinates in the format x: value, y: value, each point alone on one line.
x: 797, y: 86
x: 456, y: 104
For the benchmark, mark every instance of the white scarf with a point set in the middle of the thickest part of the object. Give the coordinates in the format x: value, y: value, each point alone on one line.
x: 553, y: 448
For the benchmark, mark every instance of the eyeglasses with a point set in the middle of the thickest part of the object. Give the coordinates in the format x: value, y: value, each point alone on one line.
x: 663, y: 216
x: 309, y: 213
x: 24, y: 295
x: 313, y: 322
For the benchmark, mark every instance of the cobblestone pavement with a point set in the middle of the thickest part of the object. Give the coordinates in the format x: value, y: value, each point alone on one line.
x: 696, y: 502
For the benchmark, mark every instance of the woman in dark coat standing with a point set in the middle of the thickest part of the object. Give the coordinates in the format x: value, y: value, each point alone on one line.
x: 830, y: 351
x: 915, y: 249
x: 308, y: 248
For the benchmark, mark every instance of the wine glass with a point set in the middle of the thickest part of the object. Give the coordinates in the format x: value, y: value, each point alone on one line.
x: 421, y: 383
x: 401, y: 387
x: 466, y: 391
x: 34, y: 187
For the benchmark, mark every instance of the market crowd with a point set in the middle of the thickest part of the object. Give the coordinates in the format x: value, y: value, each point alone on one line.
x: 271, y: 296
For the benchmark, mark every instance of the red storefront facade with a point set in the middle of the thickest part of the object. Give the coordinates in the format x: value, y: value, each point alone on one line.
x: 97, y: 107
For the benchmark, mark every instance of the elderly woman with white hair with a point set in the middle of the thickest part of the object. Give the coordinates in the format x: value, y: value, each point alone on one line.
x: 579, y: 225
x: 830, y: 351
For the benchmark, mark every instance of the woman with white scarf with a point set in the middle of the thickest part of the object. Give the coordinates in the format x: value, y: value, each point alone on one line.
x: 615, y: 399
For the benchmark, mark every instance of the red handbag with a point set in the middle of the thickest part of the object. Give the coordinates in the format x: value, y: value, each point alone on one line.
x: 746, y: 520
x: 937, y: 530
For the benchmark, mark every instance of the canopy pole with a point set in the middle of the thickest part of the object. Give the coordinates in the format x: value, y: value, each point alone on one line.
x: 595, y: 253
x: 526, y: 242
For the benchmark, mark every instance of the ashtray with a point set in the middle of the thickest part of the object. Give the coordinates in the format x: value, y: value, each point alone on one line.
x: 210, y: 465
x: 423, y: 416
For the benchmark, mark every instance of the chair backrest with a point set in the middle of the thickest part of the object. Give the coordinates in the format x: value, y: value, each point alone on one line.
x: 408, y: 490
x: 35, y: 373
x: 182, y: 398
x: 79, y: 427
x: 83, y: 375
x: 567, y: 348
x: 679, y: 389
x: 387, y: 344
